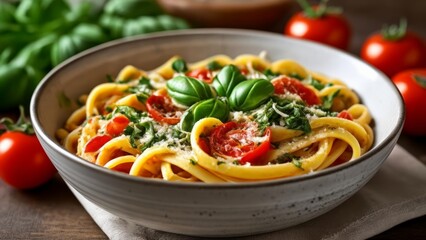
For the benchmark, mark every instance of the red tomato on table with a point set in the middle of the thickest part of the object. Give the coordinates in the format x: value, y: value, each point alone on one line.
x: 23, y: 162
x: 394, y: 50
x: 412, y: 85
x: 319, y: 24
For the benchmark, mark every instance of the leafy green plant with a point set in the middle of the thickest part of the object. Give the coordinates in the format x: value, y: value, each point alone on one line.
x: 37, y: 35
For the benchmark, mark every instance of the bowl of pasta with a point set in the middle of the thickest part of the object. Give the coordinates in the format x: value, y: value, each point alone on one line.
x: 216, y: 132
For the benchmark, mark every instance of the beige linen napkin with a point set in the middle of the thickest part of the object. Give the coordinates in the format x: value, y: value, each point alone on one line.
x: 396, y: 194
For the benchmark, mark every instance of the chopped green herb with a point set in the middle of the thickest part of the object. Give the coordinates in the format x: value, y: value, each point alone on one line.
x: 286, y: 158
x: 220, y: 162
x: 214, y: 65
x: 179, y: 65
x: 270, y: 74
x: 109, y: 78
x: 143, y: 87
x: 327, y: 101
x: 297, y: 76
x: 317, y: 84
x: 131, y: 113
x: 297, y: 163
x: 193, y: 162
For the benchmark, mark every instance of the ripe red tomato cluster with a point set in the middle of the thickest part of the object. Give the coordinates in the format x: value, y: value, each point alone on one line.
x: 392, y: 50
x: 397, y: 52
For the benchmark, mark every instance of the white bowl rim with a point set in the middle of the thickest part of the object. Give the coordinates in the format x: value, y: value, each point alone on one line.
x: 207, y: 31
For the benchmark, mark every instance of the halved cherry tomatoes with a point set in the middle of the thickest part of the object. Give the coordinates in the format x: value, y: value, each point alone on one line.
x: 96, y: 143
x: 116, y: 125
x: 412, y: 85
x: 283, y: 84
x: 345, y: 114
x: 201, y: 74
x: 238, y: 140
x: 162, y: 110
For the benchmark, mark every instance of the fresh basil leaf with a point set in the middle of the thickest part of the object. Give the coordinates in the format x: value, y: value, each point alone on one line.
x: 40, y: 12
x: 250, y: 94
x: 132, y: 8
x: 214, y: 65
x: 34, y: 54
x: 168, y: 22
x: 214, y: 107
x: 113, y: 25
x: 7, y: 12
x: 187, y: 91
x: 179, y: 65
x: 226, y: 80
x: 91, y: 34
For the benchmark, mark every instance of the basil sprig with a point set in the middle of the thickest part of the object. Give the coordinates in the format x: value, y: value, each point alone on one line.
x: 215, y: 107
x: 226, y: 80
x: 187, y: 90
x: 250, y: 94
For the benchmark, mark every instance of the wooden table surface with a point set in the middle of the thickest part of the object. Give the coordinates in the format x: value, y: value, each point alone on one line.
x: 52, y: 211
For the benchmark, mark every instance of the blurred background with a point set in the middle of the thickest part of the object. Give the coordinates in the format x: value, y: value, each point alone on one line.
x: 33, y: 41
x: 37, y: 35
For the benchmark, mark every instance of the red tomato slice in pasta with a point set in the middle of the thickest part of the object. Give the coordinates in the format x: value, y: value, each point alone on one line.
x: 239, y: 141
x: 117, y: 125
x: 345, y: 114
x: 162, y: 110
x: 204, y: 145
x: 201, y: 74
x: 96, y: 143
x: 283, y: 84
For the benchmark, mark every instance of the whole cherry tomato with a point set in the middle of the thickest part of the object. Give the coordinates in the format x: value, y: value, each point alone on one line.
x: 320, y: 24
x: 236, y: 140
x: 23, y: 162
x: 394, y: 49
x: 412, y: 85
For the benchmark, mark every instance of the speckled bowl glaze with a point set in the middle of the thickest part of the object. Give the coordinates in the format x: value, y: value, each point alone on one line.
x: 211, y: 209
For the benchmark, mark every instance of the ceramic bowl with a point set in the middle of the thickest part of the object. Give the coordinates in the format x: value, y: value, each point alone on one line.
x: 214, y: 210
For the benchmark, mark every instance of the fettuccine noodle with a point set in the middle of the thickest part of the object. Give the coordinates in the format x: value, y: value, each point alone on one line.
x: 136, y: 124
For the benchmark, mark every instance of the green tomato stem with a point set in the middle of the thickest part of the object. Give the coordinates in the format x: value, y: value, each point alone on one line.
x: 420, y: 80
x: 22, y: 125
x: 319, y: 11
x: 395, y: 32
